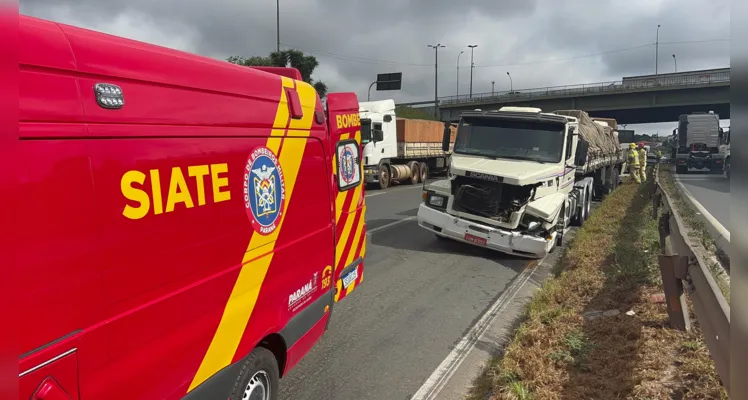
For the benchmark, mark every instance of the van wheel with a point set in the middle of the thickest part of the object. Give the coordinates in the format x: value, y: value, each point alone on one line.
x: 259, y: 377
x: 424, y: 171
x: 384, y: 176
x: 415, y: 173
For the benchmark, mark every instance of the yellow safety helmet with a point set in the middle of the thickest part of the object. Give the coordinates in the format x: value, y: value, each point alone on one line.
x: 632, y: 146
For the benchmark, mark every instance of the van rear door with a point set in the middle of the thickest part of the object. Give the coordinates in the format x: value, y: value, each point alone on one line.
x: 350, y: 207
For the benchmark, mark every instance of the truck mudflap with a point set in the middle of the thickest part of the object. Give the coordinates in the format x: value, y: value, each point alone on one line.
x: 510, y: 242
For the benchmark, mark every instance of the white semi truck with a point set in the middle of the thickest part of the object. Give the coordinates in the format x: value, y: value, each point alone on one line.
x: 519, y: 178
x: 398, y: 149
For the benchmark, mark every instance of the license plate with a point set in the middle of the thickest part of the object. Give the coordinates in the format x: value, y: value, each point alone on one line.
x: 350, y: 278
x: 476, y: 239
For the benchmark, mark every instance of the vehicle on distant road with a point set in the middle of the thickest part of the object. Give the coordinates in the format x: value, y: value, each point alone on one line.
x: 189, y: 224
x: 400, y: 149
x: 519, y: 178
x: 697, y: 144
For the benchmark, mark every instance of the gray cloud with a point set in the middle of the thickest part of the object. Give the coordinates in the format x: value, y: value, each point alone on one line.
x: 355, y: 39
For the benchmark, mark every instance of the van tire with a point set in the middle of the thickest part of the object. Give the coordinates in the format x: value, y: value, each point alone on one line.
x: 259, y: 373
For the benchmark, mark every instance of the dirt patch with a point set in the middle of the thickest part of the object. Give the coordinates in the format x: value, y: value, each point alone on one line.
x: 594, y: 332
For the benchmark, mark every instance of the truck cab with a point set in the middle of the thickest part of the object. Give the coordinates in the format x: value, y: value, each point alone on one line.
x: 512, y: 183
x: 378, y: 136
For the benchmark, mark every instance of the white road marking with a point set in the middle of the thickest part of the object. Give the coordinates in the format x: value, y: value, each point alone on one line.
x: 709, y: 218
x: 379, y: 228
x: 439, y: 378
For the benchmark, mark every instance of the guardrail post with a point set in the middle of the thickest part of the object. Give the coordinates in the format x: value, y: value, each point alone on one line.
x: 673, y: 268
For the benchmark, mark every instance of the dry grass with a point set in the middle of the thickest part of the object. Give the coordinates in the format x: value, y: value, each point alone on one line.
x: 700, y: 231
x: 557, y: 354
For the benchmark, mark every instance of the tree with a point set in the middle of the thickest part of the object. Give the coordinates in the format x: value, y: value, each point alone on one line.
x: 413, y: 113
x: 294, y: 58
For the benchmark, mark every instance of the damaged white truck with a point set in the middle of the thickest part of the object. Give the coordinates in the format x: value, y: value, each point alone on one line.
x: 519, y: 178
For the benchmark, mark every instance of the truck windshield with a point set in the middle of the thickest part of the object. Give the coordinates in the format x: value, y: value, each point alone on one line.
x: 365, y: 131
x: 505, y: 138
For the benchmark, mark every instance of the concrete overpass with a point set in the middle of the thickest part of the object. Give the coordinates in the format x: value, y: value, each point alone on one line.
x: 633, y: 100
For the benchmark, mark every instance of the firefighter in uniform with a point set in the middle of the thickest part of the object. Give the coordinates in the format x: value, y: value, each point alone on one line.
x: 642, y: 162
x: 633, y: 162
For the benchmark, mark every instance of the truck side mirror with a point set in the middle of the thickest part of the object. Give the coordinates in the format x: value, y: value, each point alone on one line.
x: 446, y: 136
x: 378, y: 135
x: 580, y: 158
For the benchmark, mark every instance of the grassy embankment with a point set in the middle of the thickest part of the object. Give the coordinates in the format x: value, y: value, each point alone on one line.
x: 558, y: 353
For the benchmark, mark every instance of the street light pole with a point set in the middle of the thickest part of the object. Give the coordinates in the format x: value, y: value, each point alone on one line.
x: 492, y: 87
x: 675, y: 62
x: 458, y: 73
x: 436, y: 77
x: 657, y: 49
x: 511, y: 85
x: 277, y: 26
x: 472, y: 65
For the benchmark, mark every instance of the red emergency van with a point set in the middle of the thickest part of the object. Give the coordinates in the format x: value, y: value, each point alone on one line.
x: 189, y: 224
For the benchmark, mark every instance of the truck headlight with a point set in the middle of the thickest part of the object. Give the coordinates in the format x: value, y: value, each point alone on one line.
x: 531, y: 224
x: 436, y: 201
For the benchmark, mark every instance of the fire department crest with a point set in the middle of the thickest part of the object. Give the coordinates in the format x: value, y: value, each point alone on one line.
x: 264, y: 190
x: 348, y: 163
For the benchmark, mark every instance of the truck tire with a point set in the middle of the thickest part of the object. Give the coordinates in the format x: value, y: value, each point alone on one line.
x: 578, y: 220
x: 258, y: 378
x: 560, y: 233
x: 415, y: 173
x: 384, y: 176
x: 424, y: 168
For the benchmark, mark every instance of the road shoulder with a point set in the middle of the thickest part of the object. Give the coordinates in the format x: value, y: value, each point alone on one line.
x: 455, y: 377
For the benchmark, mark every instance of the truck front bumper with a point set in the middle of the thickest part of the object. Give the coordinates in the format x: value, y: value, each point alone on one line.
x: 371, y: 174
x: 510, y: 242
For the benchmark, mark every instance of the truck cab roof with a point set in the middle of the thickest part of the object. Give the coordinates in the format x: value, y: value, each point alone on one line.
x: 379, y: 106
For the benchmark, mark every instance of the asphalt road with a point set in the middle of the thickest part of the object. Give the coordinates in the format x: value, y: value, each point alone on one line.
x: 419, y: 297
x: 712, y: 191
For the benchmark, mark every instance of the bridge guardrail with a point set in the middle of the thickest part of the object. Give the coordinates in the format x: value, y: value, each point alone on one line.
x: 626, y: 84
x: 684, y: 268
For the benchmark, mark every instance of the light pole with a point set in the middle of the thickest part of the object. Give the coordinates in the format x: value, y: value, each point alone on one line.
x: 511, y: 85
x: 472, y: 47
x: 675, y: 62
x: 458, y: 73
x: 436, y: 77
x: 277, y: 26
x: 657, y: 48
x: 492, y: 87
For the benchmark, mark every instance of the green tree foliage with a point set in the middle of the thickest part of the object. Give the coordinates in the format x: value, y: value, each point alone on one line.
x: 294, y: 58
x: 413, y: 113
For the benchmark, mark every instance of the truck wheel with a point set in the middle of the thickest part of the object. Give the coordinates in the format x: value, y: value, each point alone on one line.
x: 424, y: 171
x: 560, y: 233
x: 581, y: 216
x: 258, y: 378
x: 384, y: 176
x: 614, y: 181
x: 415, y: 173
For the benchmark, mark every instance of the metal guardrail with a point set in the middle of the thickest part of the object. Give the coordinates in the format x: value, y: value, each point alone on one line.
x: 625, y: 85
x: 684, y: 268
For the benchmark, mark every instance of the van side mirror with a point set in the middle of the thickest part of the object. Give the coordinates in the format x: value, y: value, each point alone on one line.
x: 378, y: 135
x: 580, y: 158
x: 447, y: 135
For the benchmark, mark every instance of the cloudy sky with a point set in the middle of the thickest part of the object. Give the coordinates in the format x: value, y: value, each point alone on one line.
x: 539, y: 42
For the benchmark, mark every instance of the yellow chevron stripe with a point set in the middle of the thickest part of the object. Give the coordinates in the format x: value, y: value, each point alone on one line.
x: 246, y: 289
x: 356, y: 238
